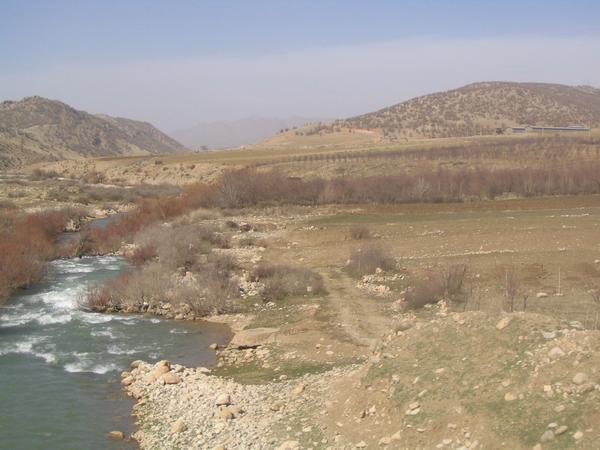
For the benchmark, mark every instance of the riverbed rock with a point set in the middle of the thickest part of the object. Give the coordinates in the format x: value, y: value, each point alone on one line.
x: 225, y: 414
x: 170, y: 378
x: 178, y: 426
x: 223, y: 400
x: 160, y: 368
x: 580, y: 378
x: 547, y: 436
x: 253, y: 337
x: 135, y: 364
x: 149, y: 378
x: 556, y: 352
x: 289, y: 445
x: 503, y: 323
x: 560, y: 430
x: 127, y: 381
x: 116, y: 435
x: 299, y: 389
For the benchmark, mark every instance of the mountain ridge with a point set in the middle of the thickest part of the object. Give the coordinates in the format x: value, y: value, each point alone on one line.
x: 39, y: 129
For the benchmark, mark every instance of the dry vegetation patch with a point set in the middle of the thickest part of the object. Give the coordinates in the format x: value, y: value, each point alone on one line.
x: 281, y: 281
x: 27, y: 242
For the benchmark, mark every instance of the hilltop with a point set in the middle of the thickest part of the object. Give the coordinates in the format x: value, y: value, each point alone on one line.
x: 38, y: 129
x: 474, y: 109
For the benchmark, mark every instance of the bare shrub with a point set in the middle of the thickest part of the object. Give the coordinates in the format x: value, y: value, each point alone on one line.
x: 359, y: 232
x: 27, y: 242
x: 595, y: 294
x: 447, y: 283
x: 453, y: 279
x: 427, y: 291
x: 39, y: 174
x: 214, y: 291
x: 252, y: 241
x: 511, y: 287
x: 7, y: 205
x: 94, y: 177
x: 106, y: 297
x: 368, y: 258
x: 281, y: 281
x: 181, y: 246
x: 135, y: 289
x: 142, y: 254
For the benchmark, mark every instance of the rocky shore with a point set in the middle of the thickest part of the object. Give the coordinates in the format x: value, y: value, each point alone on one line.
x: 188, y: 408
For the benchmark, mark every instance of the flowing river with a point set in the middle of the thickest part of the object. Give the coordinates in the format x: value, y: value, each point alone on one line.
x: 60, y: 366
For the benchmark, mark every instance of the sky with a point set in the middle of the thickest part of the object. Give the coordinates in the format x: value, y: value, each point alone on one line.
x: 177, y: 63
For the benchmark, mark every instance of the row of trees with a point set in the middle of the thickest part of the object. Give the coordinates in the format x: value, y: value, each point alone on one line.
x: 250, y: 187
x: 536, y: 149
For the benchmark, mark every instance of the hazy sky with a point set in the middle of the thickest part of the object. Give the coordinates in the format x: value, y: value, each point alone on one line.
x: 176, y: 63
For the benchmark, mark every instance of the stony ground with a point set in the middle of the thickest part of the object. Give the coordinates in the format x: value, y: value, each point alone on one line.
x: 456, y: 381
x: 375, y: 377
x: 189, y: 408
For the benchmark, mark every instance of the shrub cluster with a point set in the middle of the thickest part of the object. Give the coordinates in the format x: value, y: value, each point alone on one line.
x: 368, y: 258
x: 281, y: 281
x: 447, y: 283
x: 161, y: 252
x: 359, y: 232
x: 27, y: 242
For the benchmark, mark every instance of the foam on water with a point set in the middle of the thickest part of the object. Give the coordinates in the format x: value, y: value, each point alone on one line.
x: 117, y: 350
x: 84, y: 366
x: 178, y: 331
x: 107, y: 332
x: 53, y: 319
x: 94, y: 318
x: 24, y: 346
x: 17, y: 319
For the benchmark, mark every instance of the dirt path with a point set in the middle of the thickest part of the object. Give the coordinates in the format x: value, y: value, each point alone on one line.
x: 363, y: 318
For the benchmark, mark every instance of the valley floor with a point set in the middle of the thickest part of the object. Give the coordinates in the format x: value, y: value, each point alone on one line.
x: 355, y: 369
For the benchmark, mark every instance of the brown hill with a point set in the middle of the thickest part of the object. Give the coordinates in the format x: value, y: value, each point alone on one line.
x: 475, y: 109
x: 480, y: 108
x: 38, y: 129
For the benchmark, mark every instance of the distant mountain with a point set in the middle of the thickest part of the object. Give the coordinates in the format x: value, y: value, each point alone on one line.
x: 480, y: 108
x: 224, y: 134
x: 38, y: 129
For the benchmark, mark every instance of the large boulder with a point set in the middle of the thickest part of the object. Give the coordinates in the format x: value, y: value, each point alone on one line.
x: 253, y: 337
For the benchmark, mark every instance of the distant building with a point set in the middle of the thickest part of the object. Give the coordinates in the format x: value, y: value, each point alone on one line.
x: 542, y: 129
x: 518, y: 129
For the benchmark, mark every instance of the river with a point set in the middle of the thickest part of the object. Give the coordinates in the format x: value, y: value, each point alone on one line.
x: 60, y: 366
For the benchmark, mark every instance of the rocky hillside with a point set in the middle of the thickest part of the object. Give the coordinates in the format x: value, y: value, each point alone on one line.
x: 480, y: 108
x: 36, y: 128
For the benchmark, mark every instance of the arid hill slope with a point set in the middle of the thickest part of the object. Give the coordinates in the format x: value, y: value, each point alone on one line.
x: 38, y: 129
x: 475, y: 109
x: 481, y: 107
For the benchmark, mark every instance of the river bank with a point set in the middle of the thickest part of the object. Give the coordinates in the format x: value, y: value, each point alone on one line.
x: 59, y: 365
